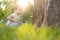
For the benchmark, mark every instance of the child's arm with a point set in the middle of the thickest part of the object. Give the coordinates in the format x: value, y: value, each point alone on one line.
x: 11, y: 18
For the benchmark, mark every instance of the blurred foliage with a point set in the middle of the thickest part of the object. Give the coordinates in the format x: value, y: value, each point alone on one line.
x: 1, y: 13
x: 29, y: 32
x: 28, y: 13
x: 26, y: 31
x: 7, y: 33
x: 27, y: 16
x: 7, y: 11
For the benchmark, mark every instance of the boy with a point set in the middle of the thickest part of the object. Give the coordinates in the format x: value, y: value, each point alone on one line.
x: 14, y: 18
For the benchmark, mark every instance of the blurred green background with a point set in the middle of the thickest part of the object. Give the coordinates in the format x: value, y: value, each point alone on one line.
x: 6, y: 8
x: 26, y: 31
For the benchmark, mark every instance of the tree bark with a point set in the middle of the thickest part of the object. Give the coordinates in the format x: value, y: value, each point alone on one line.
x: 47, y: 12
x: 40, y: 7
x: 53, y: 13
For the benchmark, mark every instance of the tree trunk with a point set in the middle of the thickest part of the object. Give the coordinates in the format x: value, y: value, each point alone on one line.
x: 47, y: 12
x: 53, y: 13
x: 40, y: 7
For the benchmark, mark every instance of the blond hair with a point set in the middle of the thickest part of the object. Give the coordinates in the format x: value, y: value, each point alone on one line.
x: 16, y: 6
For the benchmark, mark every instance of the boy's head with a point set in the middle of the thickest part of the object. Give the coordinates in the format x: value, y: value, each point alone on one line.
x: 18, y: 9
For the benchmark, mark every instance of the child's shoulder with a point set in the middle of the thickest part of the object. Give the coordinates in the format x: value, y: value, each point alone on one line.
x: 12, y: 14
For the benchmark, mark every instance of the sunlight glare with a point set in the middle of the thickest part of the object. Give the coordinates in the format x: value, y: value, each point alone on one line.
x: 23, y: 3
x: 32, y: 2
x: 1, y: 0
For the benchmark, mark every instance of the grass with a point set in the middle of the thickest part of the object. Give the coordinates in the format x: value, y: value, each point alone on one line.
x: 29, y: 32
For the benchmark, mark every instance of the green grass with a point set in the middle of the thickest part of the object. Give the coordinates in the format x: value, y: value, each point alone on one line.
x: 29, y: 32
x: 7, y: 33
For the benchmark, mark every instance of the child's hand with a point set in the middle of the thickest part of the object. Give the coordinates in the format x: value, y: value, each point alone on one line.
x: 18, y: 21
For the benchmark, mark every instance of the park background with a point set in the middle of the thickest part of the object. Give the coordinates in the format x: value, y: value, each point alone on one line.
x: 28, y: 30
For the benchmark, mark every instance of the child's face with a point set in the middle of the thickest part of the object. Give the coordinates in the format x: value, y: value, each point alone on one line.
x: 19, y: 10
